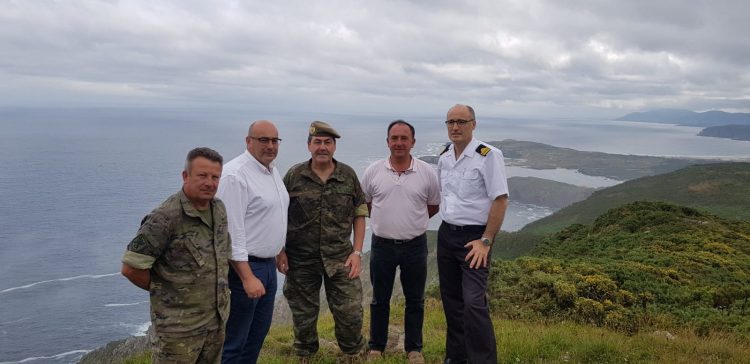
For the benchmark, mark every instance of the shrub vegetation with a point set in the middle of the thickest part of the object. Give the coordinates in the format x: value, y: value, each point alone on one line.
x: 645, y: 265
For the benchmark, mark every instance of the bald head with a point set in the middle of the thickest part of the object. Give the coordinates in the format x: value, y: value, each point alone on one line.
x: 462, y: 107
x: 261, y: 125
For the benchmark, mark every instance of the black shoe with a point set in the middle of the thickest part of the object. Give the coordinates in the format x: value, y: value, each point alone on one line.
x: 455, y: 361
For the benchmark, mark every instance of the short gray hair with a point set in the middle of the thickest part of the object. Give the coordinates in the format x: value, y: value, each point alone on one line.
x: 204, y: 152
x: 471, y: 111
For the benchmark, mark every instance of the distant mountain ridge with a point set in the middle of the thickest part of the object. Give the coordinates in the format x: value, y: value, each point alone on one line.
x: 688, y: 118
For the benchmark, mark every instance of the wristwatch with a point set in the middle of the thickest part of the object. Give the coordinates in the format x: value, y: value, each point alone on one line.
x: 358, y: 253
x: 486, y: 241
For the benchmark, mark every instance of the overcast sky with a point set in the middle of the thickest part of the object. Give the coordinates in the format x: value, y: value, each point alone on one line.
x: 506, y: 58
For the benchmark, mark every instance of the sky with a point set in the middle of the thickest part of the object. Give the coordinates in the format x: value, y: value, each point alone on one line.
x: 553, y: 58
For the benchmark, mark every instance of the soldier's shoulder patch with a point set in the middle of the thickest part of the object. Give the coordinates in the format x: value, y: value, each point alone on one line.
x: 139, y: 244
x: 483, y: 150
x: 447, y: 146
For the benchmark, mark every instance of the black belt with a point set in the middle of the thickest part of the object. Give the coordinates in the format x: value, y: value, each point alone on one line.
x: 398, y: 241
x: 251, y: 258
x: 464, y: 227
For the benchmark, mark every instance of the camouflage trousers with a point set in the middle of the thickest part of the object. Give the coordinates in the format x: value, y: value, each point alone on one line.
x: 201, y: 348
x: 344, y: 295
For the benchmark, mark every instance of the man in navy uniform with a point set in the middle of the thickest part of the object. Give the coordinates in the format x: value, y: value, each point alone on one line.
x: 474, y: 197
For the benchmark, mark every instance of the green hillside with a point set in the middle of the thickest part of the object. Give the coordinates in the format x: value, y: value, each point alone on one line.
x: 722, y: 189
x: 642, y: 265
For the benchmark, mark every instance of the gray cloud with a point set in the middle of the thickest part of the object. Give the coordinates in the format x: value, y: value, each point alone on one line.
x: 562, y: 58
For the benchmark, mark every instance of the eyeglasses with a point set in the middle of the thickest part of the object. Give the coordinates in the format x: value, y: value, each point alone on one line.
x: 265, y: 140
x: 457, y: 121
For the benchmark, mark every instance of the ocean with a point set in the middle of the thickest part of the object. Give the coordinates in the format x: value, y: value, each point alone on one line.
x: 76, y: 184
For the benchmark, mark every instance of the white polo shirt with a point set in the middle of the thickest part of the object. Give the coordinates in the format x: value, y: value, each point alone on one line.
x: 257, y: 203
x: 469, y: 184
x: 399, y: 202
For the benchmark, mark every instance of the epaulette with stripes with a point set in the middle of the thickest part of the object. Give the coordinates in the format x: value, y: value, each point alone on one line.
x: 483, y: 150
x: 447, y: 146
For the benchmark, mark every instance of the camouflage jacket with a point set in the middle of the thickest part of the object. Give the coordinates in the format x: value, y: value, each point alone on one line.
x: 321, y: 214
x: 189, y: 264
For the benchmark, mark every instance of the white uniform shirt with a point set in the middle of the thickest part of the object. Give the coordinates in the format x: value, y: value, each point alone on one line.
x: 399, y: 202
x: 469, y: 184
x: 257, y: 203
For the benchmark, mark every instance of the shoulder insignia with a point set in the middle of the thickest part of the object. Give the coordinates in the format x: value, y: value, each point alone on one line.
x: 447, y: 146
x: 483, y: 150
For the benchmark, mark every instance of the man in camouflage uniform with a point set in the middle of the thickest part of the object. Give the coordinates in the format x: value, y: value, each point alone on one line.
x: 181, y: 256
x: 326, y: 201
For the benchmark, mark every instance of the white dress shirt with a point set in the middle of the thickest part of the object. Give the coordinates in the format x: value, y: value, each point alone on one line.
x: 399, y: 202
x: 257, y: 203
x: 469, y: 184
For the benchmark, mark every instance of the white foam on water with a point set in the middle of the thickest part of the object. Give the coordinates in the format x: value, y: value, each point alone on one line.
x: 79, y: 353
x: 124, y: 304
x: 85, y: 276
x: 135, y: 329
x: 142, y: 329
x: 14, y: 321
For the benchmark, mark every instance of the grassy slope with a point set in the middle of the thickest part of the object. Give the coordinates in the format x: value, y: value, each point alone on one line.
x: 722, y: 189
x: 529, y: 342
x: 537, y: 342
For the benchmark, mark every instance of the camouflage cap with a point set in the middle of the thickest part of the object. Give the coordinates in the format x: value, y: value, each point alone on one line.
x: 321, y: 128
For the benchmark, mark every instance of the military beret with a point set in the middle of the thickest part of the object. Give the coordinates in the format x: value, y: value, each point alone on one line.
x: 321, y: 128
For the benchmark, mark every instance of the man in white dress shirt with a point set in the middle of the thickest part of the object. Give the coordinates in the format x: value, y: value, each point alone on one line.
x: 474, y: 197
x: 256, y: 202
x: 402, y: 193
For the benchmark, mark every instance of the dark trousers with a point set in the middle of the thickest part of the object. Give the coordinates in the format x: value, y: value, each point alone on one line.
x: 411, y: 257
x: 249, y: 319
x: 463, y: 291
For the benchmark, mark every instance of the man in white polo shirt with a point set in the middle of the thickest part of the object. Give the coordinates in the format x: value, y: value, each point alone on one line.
x: 402, y: 193
x: 257, y: 203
